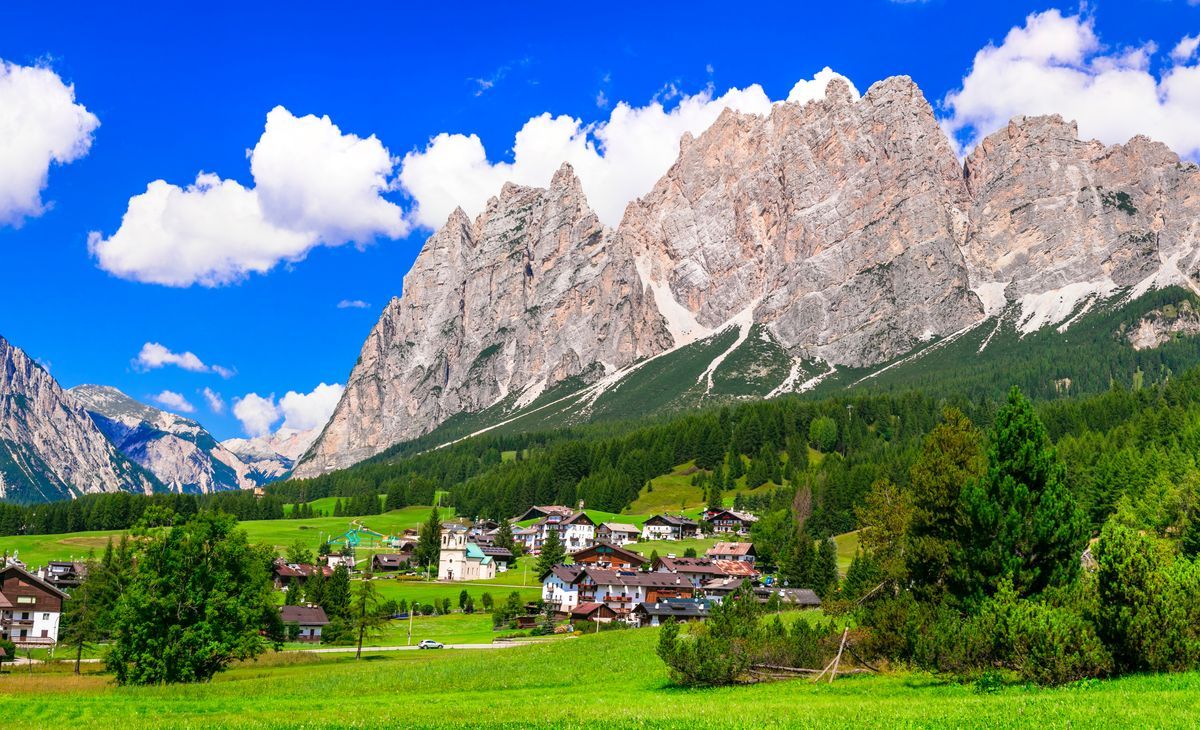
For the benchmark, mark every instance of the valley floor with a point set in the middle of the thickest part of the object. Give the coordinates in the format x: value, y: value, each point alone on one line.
x: 608, y: 680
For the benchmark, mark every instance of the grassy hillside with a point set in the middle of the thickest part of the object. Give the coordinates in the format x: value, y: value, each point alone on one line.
x: 612, y: 679
x: 35, y: 550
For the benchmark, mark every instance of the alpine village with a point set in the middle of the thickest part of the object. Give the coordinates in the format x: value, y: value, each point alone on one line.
x: 867, y: 400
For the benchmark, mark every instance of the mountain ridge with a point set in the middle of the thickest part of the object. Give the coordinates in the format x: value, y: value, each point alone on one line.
x: 847, y: 230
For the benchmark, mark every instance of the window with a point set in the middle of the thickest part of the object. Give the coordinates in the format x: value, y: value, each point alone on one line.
x: 26, y: 599
x: 45, y: 617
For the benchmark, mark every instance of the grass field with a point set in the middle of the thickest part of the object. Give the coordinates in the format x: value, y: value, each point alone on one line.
x: 607, y: 680
x: 35, y: 550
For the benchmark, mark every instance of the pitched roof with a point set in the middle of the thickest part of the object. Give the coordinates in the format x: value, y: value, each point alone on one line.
x: 731, y: 548
x: 600, y: 546
x: 725, y: 514
x: 620, y: 527
x: 567, y: 519
x: 698, y: 566
x: 388, y: 559
x: 541, y: 511
x: 587, y: 609
x: 634, y: 578
x: 674, y: 520
x: 497, y: 552
x: 685, y: 607
x: 30, y: 577
x: 799, y: 596
x: 303, y: 615
x: 566, y: 573
x: 735, y: 567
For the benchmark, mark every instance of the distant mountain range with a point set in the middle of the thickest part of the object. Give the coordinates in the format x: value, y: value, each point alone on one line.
x: 827, y: 244
x: 57, y: 443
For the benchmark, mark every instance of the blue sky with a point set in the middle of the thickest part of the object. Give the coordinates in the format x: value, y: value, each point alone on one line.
x: 177, y: 92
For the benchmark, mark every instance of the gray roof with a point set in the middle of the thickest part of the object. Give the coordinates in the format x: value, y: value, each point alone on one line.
x: 685, y: 608
x: 303, y: 615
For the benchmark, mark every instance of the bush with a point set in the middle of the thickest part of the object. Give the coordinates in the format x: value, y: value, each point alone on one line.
x: 1148, y: 610
x: 10, y: 651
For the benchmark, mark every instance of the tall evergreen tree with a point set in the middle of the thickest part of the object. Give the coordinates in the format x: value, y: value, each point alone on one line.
x: 86, y: 616
x: 429, y: 540
x: 951, y: 457
x: 825, y: 570
x: 1020, y: 520
x: 366, y: 618
x: 553, y: 553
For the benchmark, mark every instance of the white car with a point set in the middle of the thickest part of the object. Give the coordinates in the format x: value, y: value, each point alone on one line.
x: 431, y: 644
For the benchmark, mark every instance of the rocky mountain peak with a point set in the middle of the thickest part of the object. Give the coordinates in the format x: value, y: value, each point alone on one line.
x: 844, y: 231
x: 49, y: 447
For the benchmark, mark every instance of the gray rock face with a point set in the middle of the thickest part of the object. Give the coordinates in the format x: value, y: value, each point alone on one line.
x: 838, y: 221
x: 848, y: 229
x: 1056, y: 221
x: 530, y: 293
x: 49, y: 447
x: 177, y: 450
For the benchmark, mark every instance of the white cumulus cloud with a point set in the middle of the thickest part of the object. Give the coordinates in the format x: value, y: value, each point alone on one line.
x: 617, y: 160
x: 174, y: 401
x: 216, y: 403
x: 40, y: 124
x: 1056, y: 64
x: 1185, y: 49
x: 155, y: 355
x: 313, y: 186
x: 352, y: 304
x: 299, y: 411
x: 256, y: 413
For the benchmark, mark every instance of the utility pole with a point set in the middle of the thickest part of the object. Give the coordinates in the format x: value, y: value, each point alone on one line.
x: 410, y: 613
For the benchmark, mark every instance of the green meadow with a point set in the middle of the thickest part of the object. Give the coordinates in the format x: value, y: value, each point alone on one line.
x: 611, y: 680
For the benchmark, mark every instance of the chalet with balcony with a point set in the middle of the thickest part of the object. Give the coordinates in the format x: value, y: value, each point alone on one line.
x: 617, y: 533
x: 669, y: 527
x: 560, y: 588
x: 63, y: 575
x: 575, y: 530
x: 30, y: 608
x: 609, y: 557
x: 729, y: 522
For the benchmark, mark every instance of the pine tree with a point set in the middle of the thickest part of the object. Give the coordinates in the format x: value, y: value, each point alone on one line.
x: 825, y: 570
x: 336, y: 598
x: 951, y: 457
x: 553, y: 553
x: 1020, y: 520
x: 504, y: 537
x: 86, y: 614
x: 366, y: 618
x: 463, y: 597
x: 429, y: 541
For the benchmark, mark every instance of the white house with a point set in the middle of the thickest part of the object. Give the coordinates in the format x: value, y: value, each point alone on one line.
x: 29, y: 608
x: 617, y: 533
x: 576, y: 531
x: 669, y: 527
x: 560, y: 587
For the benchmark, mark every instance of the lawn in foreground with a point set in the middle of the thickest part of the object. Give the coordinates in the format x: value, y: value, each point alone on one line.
x: 608, y: 680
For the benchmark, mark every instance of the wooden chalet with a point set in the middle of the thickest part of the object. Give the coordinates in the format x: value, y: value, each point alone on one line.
x: 608, y: 556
